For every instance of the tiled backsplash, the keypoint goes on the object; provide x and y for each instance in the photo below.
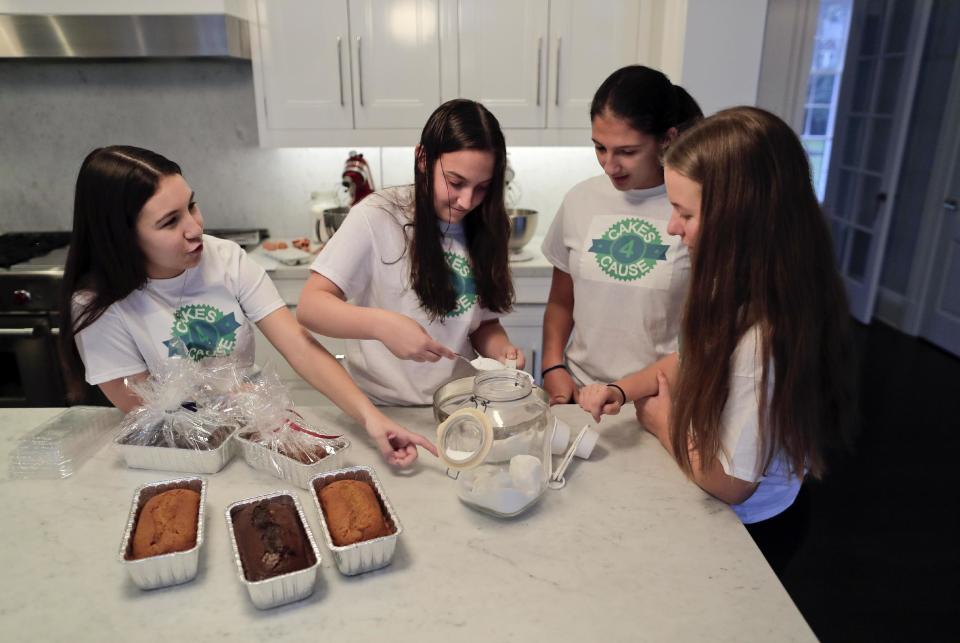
(201, 115)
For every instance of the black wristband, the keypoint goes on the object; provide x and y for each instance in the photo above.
(622, 392)
(544, 372)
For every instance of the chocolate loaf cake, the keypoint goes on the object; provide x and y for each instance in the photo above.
(271, 539)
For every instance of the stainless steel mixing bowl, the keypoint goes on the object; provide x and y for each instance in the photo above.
(523, 223)
(331, 222)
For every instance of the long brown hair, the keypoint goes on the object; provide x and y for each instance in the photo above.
(456, 125)
(763, 258)
(105, 257)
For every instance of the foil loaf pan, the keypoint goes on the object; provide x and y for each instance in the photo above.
(177, 459)
(285, 588)
(166, 569)
(276, 464)
(367, 555)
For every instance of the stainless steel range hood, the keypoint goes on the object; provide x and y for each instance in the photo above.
(124, 36)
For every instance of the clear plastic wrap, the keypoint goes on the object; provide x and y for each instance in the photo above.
(171, 431)
(280, 441)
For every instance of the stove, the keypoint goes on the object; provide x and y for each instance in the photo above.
(18, 247)
(31, 273)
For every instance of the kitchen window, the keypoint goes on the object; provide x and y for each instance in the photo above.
(823, 87)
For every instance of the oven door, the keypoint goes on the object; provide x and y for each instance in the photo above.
(30, 371)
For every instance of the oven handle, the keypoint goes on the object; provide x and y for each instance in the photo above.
(25, 332)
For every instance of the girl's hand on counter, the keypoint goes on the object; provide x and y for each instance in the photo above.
(561, 387)
(599, 399)
(407, 339)
(397, 445)
(509, 352)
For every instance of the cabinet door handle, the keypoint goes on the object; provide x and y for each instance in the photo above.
(340, 69)
(557, 97)
(950, 205)
(360, 70)
(36, 331)
(16, 332)
(539, 67)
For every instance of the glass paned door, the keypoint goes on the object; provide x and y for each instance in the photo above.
(823, 87)
(879, 79)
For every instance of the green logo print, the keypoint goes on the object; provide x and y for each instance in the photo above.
(463, 283)
(629, 249)
(203, 330)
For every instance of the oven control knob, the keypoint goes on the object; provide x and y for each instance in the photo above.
(22, 297)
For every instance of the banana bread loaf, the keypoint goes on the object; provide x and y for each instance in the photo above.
(167, 523)
(353, 512)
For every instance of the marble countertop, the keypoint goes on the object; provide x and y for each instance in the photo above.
(629, 550)
(535, 266)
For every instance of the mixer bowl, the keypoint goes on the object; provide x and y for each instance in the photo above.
(332, 220)
(523, 223)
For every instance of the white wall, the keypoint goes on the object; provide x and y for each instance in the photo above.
(723, 44)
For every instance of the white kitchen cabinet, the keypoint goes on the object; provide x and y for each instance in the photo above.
(537, 64)
(525, 327)
(588, 41)
(326, 72)
(396, 61)
(503, 58)
(305, 53)
(369, 72)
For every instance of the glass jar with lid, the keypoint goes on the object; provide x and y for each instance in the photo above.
(495, 439)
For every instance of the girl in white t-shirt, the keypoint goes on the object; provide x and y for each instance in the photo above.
(619, 280)
(142, 281)
(763, 381)
(417, 274)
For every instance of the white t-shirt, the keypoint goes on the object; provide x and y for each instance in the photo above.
(740, 454)
(205, 309)
(629, 277)
(369, 260)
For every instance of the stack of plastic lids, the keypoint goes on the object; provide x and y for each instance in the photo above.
(59, 446)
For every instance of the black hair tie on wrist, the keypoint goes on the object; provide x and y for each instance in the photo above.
(622, 392)
(544, 372)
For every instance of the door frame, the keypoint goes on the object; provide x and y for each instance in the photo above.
(923, 279)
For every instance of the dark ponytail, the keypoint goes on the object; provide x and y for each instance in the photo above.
(647, 100)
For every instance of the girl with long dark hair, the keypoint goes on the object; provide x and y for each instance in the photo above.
(142, 283)
(763, 381)
(618, 282)
(425, 267)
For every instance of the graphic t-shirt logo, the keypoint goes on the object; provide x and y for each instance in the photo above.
(203, 330)
(629, 249)
(463, 283)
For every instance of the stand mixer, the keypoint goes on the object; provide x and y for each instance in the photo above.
(523, 222)
(357, 178)
(330, 209)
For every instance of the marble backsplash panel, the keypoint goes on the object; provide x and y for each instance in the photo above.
(200, 114)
